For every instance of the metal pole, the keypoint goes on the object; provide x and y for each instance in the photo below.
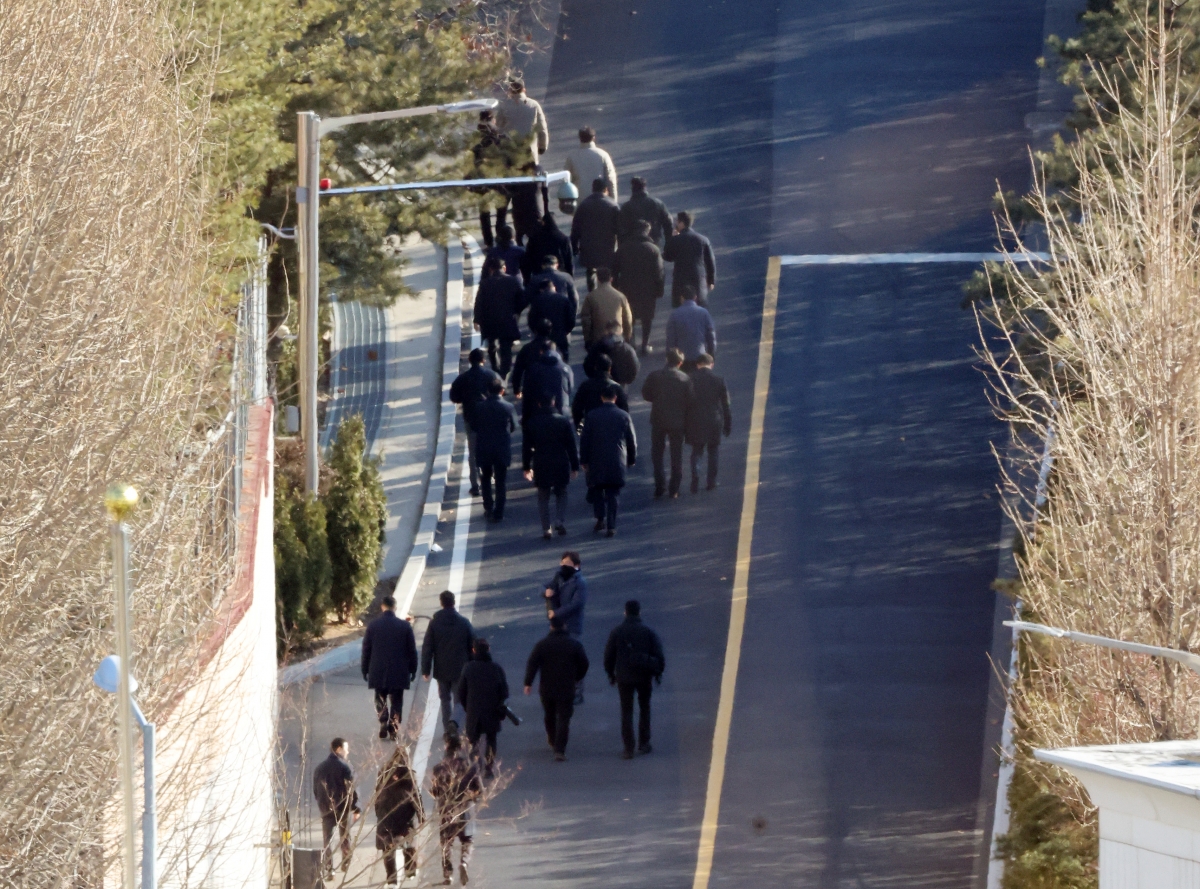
(308, 161)
(149, 812)
(120, 555)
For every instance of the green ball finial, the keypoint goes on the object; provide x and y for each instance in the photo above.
(119, 500)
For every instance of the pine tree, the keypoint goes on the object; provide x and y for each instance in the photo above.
(355, 509)
(303, 572)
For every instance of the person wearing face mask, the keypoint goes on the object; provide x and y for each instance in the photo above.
(566, 597)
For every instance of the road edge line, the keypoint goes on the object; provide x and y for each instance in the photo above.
(741, 578)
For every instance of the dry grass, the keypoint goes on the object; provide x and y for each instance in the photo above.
(108, 350)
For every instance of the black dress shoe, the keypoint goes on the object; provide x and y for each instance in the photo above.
(547, 534)
(561, 529)
(658, 492)
(474, 492)
(599, 526)
(612, 532)
(695, 486)
(383, 732)
(645, 748)
(626, 754)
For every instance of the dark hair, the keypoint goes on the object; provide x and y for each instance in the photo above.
(587, 134)
(446, 598)
(481, 646)
(599, 184)
(337, 744)
(633, 607)
(705, 360)
(388, 602)
(545, 284)
(637, 183)
(643, 226)
(548, 219)
(544, 327)
(549, 259)
(603, 362)
(492, 265)
(496, 386)
(687, 291)
(476, 357)
(557, 623)
(573, 556)
(685, 217)
(486, 115)
(604, 275)
(505, 232)
(516, 85)
(611, 392)
(674, 358)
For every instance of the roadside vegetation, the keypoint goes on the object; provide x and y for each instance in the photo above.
(1099, 351)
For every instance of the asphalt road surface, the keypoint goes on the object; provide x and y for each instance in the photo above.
(857, 731)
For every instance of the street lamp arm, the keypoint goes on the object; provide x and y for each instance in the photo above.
(547, 178)
(336, 123)
(1189, 660)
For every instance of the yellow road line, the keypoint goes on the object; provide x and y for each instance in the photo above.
(741, 577)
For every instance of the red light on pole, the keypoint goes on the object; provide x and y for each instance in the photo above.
(325, 185)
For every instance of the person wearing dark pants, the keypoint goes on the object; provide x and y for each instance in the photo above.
(398, 815)
(483, 691)
(669, 391)
(389, 665)
(469, 389)
(607, 448)
(633, 658)
(562, 663)
(494, 421)
(337, 801)
(455, 784)
(550, 459)
(445, 650)
(708, 420)
(498, 302)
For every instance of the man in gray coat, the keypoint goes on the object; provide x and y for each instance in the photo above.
(594, 231)
(524, 120)
(607, 448)
(669, 391)
(444, 651)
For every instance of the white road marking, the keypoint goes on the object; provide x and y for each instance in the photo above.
(905, 258)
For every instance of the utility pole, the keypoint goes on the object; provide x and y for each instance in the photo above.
(308, 197)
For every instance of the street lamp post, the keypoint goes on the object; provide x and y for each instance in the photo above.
(310, 128)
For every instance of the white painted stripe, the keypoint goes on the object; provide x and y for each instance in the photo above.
(905, 258)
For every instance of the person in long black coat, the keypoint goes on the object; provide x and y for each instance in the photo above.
(594, 231)
(607, 447)
(495, 421)
(528, 354)
(641, 207)
(623, 358)
(555, 307)
(633, 657)
(638, 273)
(587, 396)
(389, 665)
(694, 262)
(482, 692)
(669, 391)
(445, 650)
(498, 302)
(708, 419)
(563, 663)
(548, 383)
(399, 812)
(468, 389)
(550, 459)
(547, 240)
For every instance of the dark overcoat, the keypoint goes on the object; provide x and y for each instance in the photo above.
(608, 445)
(482, 691)
(638, 273)
(550, 449)
(594, 231)
(561, 661)
(446, 647)
(389, 653)
(710, 414)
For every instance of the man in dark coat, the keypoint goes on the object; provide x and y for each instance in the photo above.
(669, 391)
(337, 801)
(632, 658)
(493, 160)
(528, 354)
(695, 264)
(708, 420)
(642, 208)
(594, 231)
(547, 240)
(548, 382)
(495, 421)
(608, 445)
(528, 205)
(469, 389)
(389, 664)
(498, 302)
(454, 783)
(555, 307)
(445, 650)
(482, 692)
(551, 268)
(550, 459)
(563, 663)
(566, 594)
(638, 273)
(399, 812)
(623, 357)
(587, 396)
(510, 253)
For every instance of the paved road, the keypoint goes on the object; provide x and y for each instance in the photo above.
(858, 723)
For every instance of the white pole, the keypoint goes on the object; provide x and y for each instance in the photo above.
(119, 500)
(149, 811)
(308, 161)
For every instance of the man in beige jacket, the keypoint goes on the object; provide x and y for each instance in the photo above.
(603, 305)
(524, 121)
(588, 163)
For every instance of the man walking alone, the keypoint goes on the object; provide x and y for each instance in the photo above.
(562, 662)
(445, 650)
(389, 665)
(632, 658)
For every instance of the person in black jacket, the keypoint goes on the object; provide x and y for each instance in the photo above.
(632, 657)
(399, 812)
(562, 662)
(454, 783)
(550, 459)
(548, 303)
(497, 304)
(594, 231)
(445, 650)
(587, 396)
(389, 665)
(545, 241)
(337, 801)
(638, 273)
(608, 445)
(708, 420)
(529, 353)
(495, 421)
(482, 692)
(548, 382)
(468, 389)
(622, 356)
(641, 207)
(694, 262)
(669, 391)
(562, 280)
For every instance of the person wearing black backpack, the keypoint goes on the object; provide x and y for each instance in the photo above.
(632, 658)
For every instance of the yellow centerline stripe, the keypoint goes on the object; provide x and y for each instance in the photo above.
(741, 577)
